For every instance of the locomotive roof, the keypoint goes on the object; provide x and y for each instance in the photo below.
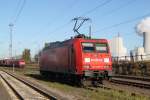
(55, 44)
(61, 43)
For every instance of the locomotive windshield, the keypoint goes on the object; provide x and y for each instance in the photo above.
(88, 47)
(101, 47)
(95, 47)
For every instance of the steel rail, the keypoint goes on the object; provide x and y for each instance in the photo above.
(133, 77)
(12, 88)
(136, 83)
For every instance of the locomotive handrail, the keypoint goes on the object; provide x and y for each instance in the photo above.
(132, 57)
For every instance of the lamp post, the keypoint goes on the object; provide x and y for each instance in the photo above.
(10, 45)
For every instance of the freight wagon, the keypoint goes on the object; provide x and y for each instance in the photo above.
(12, 62)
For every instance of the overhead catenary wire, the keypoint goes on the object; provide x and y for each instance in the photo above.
(121, 23)
(60, 27)
(90, 11)
(19, 12)
(119, 7)
(94, 9)
(16, 10)
(11, 24)
(73, 3)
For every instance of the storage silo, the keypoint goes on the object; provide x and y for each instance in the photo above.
(140, 54)
(117, 48)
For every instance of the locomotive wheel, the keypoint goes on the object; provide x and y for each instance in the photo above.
(96, 83)
(109, 78)
(44, 73)
(83, 82)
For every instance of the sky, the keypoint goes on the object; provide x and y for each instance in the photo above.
(39, 21)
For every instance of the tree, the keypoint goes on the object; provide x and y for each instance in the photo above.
(26, 55)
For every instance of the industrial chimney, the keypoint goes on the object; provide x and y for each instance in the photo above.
(146, 42)
(143, 29)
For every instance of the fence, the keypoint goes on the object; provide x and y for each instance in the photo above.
(132, 65)
(134, 58)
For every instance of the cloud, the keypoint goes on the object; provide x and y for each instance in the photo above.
(143, 26)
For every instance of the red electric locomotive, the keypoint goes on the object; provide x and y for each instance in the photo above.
(79, 59)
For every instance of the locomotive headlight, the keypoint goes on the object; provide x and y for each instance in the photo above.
(87, 60)
(106, 60)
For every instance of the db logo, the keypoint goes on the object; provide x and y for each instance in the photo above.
(95, 55)
(100, 60)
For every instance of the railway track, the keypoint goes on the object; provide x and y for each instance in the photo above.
(142, 82)
(121, 88)
(108, 86)
(23, 90)
(133, 77)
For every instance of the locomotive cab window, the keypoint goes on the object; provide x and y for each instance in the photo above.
(88, 47)
(101, 47)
